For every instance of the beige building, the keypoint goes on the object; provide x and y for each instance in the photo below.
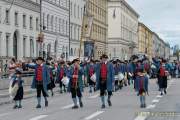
(145, 40)
(98, 9)
(122, 30)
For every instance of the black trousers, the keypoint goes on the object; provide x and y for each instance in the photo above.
(39, 89)
(103, 89)
(76, 92)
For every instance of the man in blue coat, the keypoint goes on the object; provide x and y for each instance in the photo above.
(105, 79)
(76, 83)
(40, 80)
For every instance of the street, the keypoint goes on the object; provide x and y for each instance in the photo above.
(125, 106)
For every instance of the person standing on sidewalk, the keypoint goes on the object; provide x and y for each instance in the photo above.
(20, 91)
(142, 87)
(105, 79)
(41, 80)
(76, 83)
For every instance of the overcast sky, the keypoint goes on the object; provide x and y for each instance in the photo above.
(161, 16)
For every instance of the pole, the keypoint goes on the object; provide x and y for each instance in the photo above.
(40, 51)
(84, 13)
(69, 27)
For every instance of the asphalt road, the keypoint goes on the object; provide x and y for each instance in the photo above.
(125, 106)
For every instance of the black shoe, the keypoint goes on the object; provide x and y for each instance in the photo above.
(109, 103)
(52, 94)
(161, 94)
(81, 104)
(141, 106)
(38, 106)
(75, 107)
(46, 103)
(103, 106)
(144, 106)
(20, 106)
(15, 107)
(165, 91)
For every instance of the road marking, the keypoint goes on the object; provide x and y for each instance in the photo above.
(4, 114)
(140, 118)
(94, 96)
(67, 106)
(94, 115)
(155, 101)
(150, 106)
(39, 117)
(159, 96)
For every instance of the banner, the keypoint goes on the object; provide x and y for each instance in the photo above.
(87, 26)
(88, 49)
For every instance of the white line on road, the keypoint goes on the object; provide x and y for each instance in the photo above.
(159, 96)
(94, 96)
(94, 115)
(150, 106)
(155, 101)
(140, 118)
(4, 114)
(67, 106)
(39, 117)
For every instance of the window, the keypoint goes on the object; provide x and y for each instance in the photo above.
(66, 28)
(78, 11)
(56, 25)
(7, 17)
(59, 25)
(78, 33)
(31, 22)
(37, 24)
(75, 32)
(7, 44)
(52, 23)
(71, 31)
(24, 21)
(43, 21)
(75, 10)
(71, 53)
(63, 27)
(0, 43)
(55, 47)
(48, 22)
(31, 47)
(24, 46)
(16, 18)
(0, 14)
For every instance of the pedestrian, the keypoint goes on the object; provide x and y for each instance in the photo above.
(90, 73)
(142, 87)
(162, 75)
(105, 79)
(76, 83)
(51, 85)
(40, 80)
(17, 80)
(61, 71)
(116, 76)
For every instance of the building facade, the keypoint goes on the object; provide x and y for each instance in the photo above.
(76, 18)
(98, 9)
(122, 30)
(145, 40)
(55, 27)
(19, 28)
(160, 47)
